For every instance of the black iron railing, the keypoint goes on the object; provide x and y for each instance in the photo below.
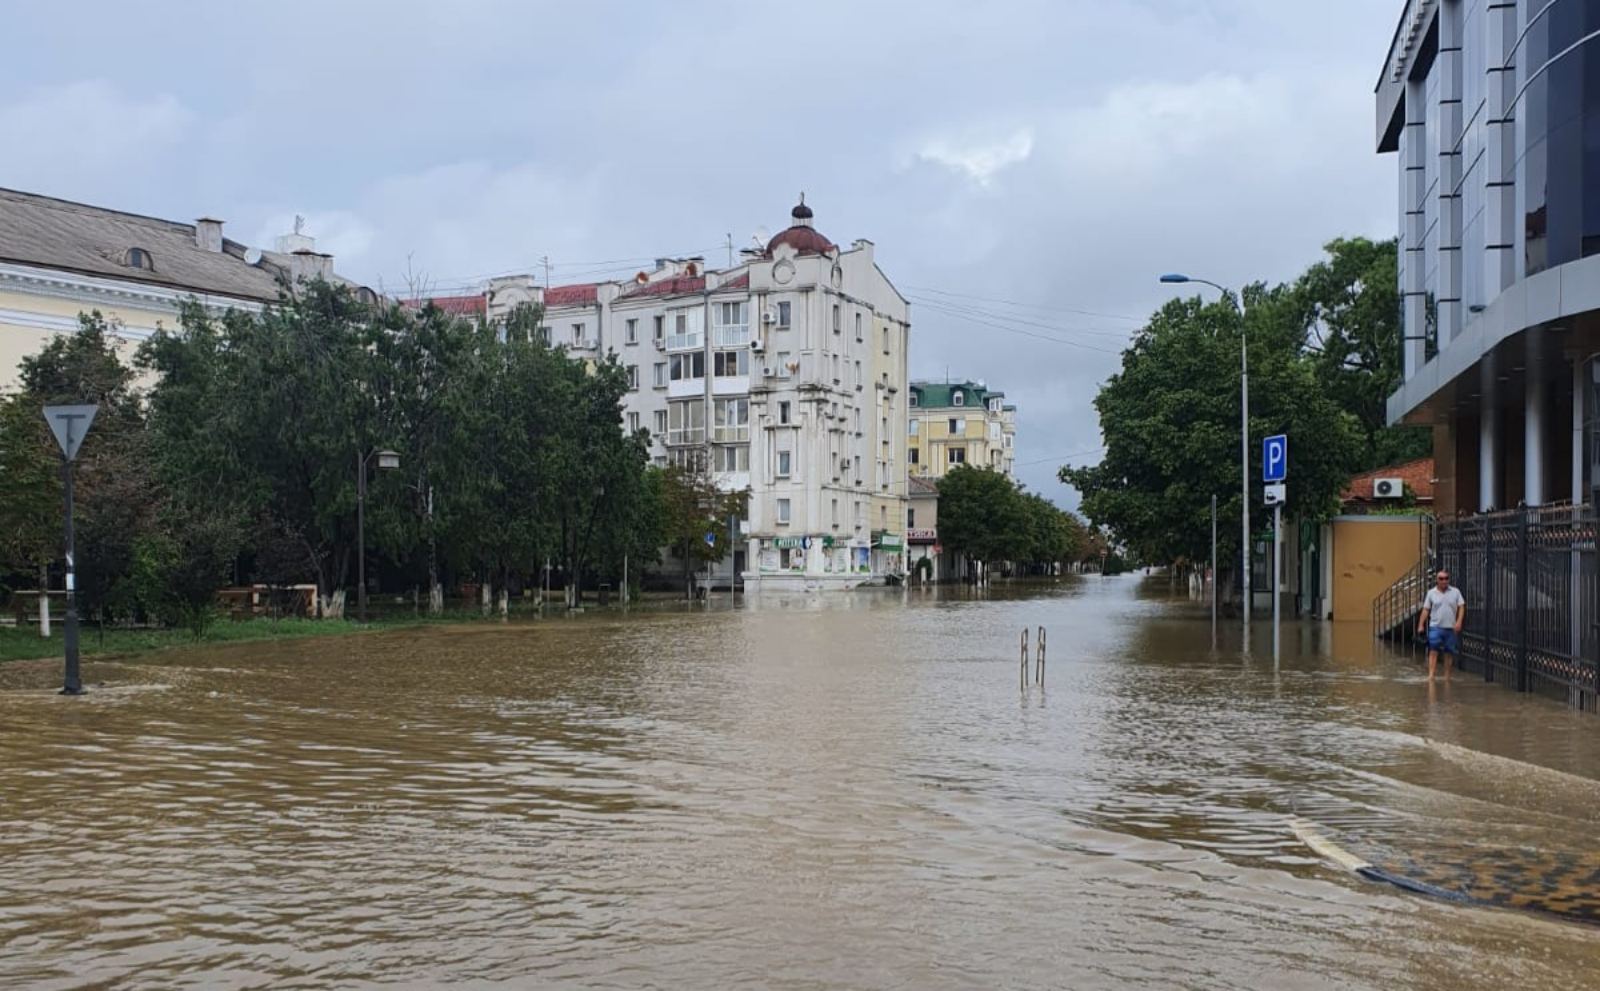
(1530, 581)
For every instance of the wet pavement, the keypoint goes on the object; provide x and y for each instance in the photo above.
(845, 792)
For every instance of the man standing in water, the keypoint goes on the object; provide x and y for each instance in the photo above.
(1443, 611)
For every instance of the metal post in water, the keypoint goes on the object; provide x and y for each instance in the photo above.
(72, 684)
(1213, 565)
(70, 425)
(1039, 667)
(1277, 554)
(1024, 657)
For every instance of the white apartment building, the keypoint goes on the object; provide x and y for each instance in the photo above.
(787, 372)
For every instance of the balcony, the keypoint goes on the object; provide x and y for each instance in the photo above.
(692, 341)
(733, 335)
(689, 435)
(730, 435)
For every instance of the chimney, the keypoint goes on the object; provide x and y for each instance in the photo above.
(308, 266)
(208, 234)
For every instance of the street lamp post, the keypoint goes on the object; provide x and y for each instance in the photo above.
(1244, 433)
(387, 461)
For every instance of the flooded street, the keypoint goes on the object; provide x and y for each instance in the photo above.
(848, 792)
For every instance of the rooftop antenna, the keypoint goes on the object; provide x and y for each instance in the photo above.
(729, 236)
(299, 223)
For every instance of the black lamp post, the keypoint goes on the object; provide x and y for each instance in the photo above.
(387, 461)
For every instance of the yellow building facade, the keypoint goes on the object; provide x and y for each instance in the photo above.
(953, 423)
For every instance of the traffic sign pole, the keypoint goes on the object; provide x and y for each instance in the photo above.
(1275, 472)
(69, 424)
(1277, 564)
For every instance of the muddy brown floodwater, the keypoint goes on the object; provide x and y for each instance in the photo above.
(848, 792)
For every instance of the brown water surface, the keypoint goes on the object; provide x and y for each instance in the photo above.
(845, 792)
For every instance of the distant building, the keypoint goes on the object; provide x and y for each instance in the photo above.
(786, 374)
(1492, 110)
(59, 259)
(960, 423)
(922, 529)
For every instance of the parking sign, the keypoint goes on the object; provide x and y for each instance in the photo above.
(1275, 458)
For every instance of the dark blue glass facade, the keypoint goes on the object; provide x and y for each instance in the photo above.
(1558, 134)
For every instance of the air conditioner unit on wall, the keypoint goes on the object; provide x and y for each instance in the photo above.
(756, 346)
(770, 316)
(1388, 488)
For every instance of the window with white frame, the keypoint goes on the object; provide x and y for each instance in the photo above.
(955, 426)
(911, 455)
(916, 428)
(960, 399)
(733, 458)
(730, 364)
(783, 511)
(577, 335)
(633, 378)
(660, 328)
(686, 422)
(858, 328)
(836, 328)
(732, 420)
(783, 411)
(785, 463)
(783, 314)
(956, 455)
(631, 331)
(661, 423)
(633, 423)
(912, 402)
(688, 366)
(833, 513)
(659, 375)
(784, 360)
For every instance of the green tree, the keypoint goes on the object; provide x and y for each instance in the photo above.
(983, 515)
(30, 491)
(691, 506)
(1352, 322)
(1170, 419)
(180, 566)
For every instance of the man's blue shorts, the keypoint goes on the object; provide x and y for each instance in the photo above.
(1443, 640)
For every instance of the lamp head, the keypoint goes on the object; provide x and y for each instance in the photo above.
(388, 460)
(1173, 277)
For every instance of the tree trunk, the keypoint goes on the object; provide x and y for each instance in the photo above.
(435, 596)
(504, 599)
(44, 601)
(333, 604)
(485, 594)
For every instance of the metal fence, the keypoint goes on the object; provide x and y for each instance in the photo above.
(1530, 581)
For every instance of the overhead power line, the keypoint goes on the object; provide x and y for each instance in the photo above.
(940, 306)
(1031, 306)
(1027, 333)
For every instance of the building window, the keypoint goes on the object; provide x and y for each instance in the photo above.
(956, 455)
(736, 458)
(783, 364)
(732, 420)
(688, 366)
(912, 456)
(916, 427)
(140, 259)
(858, 469)
(861, 381)
(836, 327)
(994, 404)
(912, 402)
(783, 413)
(728, 364)
(783, 315)
(660, 375)
(886, 340)
(661, 422)
(633, 378)
(911, 521)
(633, 423)
(686, 422)
(577, 335)
(784, 462)
(836, 368)
(833, 512)
(632, 331)
(858, 330)
(680, 323)
(960, 399)
(661, 328)
(955, 428)
(783, 512)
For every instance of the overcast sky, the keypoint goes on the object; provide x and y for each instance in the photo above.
(1055, 155)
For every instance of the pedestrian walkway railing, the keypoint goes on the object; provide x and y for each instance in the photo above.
(1530, 578)
(1395, 610)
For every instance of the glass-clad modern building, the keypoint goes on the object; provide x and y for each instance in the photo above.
(1493, 109)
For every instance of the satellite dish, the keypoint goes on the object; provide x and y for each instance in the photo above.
(761, 237)
(252, 256)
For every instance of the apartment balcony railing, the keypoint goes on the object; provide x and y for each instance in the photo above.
(686, 342)
(692, 435)
(733, 335)
(730, 435)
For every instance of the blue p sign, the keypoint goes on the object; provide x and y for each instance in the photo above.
(1275, 458)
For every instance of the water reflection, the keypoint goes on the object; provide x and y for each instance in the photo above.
(840, 792)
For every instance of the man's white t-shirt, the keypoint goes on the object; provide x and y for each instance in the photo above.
(1442, 607)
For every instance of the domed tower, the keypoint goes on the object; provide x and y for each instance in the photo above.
(801, 235)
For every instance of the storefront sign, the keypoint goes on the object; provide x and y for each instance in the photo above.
(923, 535)
(790, 542)
(888, 541)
